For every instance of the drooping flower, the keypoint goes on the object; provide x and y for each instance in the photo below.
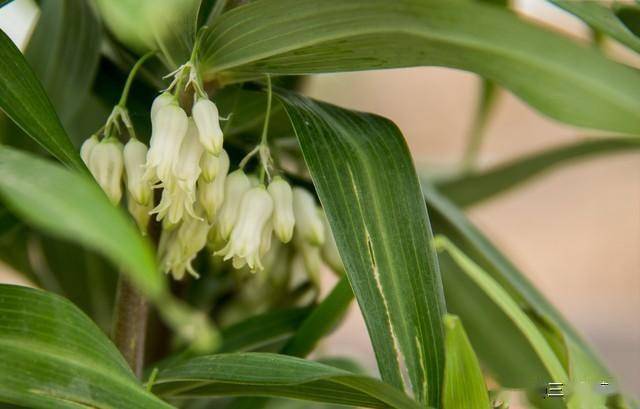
(311, 258)
(87, 147)
(211, 194)
(179, 194)
(330, 252)
(236, 184)
(283, 218)
(307, 216)
(140, 213)
(135, 157)
(244, 243)
(205, 114)
(180, 247)
(161, 100)
(169, 127)
(210, 165)
(187, 167)
(106, 166)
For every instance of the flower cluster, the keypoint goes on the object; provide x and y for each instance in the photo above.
(200, 201)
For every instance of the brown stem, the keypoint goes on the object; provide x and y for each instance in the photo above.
(130, 324)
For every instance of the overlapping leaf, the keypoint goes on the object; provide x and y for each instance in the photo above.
(52, 356)
(476, 187)
(464, 386)
(601, 17)
(262, 374)
(69, 205)
(366, 182)
(502, 349)
(24, 100)
(307, 36)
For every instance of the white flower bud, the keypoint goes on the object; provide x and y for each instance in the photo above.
(255, 211)
(87, 147)
(135, 156)
(330, 252)
(187, 167)
(169, 127)
(236, 184)
(106, 166)
(210, 164)
(160, 101)
(211, 194)
(205, 113)
(283, 218)
(307, 216)
(140, 213)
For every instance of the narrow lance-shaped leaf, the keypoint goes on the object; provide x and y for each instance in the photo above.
(64, 52)
(451, 222)
(464, 386)
(601, 17)
(52, 356)
(24, 100)
(364, 176)
(538, 65)
(69, 205)
(473, 188)
(509, 306)
(263, 374)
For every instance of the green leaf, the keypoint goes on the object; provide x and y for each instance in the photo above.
(53, 356)
(321, 321)
(509, 307)
(600, 17)
(629, 14)
(385, 243)
(464, 386)
(262, 329)
(71, 206)
(538, 65)
(24, 100)
(144, 25)
(488, 93)
(64, 51)
(476, 187)
(262, 374)
(499, 348)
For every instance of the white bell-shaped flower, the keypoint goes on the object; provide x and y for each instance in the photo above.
(175, 203)
(87, 147)
(211, 194)
(205, 113)
(161, 100)
(236, 184)
(308, 217)
(330, 252)
(311, 256)
(210, 164)
(135, 157)
(106, 166)
(140, 213)
(283, 218)
(187, 167)
(182, 246)
(244, 243)
(265, 238)
(169, 127)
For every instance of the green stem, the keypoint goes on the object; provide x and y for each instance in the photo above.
(132, 74)
(130, 324)
(484, 106)
(265, 128)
